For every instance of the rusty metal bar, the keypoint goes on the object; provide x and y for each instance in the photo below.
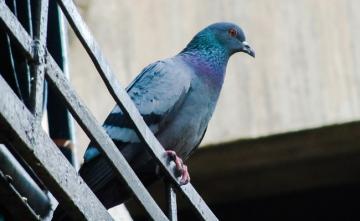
(128, 107)
(44, 157)
(171, 206)
(95, 132)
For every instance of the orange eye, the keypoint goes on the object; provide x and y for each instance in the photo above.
(232, 32)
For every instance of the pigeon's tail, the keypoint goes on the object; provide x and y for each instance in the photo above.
(99, 177)
(110, 190)
(110, 196)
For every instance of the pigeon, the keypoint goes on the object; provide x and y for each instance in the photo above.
(176, 98)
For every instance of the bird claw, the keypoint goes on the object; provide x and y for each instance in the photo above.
(185, 176)
(180, 166)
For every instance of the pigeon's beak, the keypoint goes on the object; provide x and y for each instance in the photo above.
(247, 49)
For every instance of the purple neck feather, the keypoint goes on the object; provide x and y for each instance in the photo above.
(209, 64)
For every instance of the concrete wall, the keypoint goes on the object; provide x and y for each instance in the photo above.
(306, 73)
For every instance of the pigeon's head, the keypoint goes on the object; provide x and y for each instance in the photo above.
(225, 35)
(231, 37)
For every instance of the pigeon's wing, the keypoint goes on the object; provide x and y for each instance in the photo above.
(157, 92)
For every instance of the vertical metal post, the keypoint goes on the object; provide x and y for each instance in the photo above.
(38, 67)
(61, 124)
(171, 206)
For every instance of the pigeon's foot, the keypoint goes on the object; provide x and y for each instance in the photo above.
(180, 166)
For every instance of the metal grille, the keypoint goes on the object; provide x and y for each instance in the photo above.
(23, 129)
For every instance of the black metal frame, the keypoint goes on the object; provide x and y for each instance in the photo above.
(25, 133)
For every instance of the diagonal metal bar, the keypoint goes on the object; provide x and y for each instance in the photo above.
(128, 107)
(144, 133)
(8, 19)
(21, 10)
(96, 133)
(43, 156)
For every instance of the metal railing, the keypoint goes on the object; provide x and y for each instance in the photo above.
(23, 129)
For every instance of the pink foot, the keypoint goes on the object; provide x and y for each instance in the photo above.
(180, 166)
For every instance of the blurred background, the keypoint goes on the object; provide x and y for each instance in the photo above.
(283, 142)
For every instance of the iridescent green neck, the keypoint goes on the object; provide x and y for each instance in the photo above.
(207, 56)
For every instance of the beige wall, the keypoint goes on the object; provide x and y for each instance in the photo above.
(306, 73)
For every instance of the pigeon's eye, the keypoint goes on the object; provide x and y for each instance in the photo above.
(232, 32)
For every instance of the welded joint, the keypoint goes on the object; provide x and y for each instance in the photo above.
(39, 52)
(37, 80)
